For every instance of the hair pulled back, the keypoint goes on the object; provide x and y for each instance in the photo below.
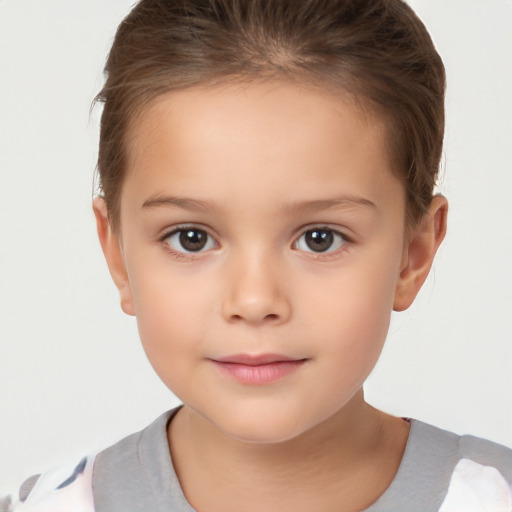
(377, 50)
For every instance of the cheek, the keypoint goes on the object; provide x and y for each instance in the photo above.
(350, 343)
(354, 313)
(171, 318)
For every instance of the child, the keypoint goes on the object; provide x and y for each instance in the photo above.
(267, 173)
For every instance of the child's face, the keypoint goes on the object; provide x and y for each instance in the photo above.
(264, 221)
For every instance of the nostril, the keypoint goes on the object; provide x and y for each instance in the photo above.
(267, 318)
(255, 307)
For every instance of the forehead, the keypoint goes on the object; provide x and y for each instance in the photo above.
(283, 99)
(294, 137)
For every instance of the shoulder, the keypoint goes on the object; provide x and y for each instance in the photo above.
(68, 487)
(112, 480)
(137, 473)
(483, 476)
(480, 471)
(487, 453)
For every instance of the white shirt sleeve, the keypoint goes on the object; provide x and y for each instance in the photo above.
(65, 489)
(477, 488)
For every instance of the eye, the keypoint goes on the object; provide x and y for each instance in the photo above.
(320, 240)
(189, 239)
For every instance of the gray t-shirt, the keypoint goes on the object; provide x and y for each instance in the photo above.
(137, 473)
(440, 472)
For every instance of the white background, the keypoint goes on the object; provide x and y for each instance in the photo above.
(73, 377)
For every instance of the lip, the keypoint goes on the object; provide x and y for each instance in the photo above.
(255, 359)
(258, 369)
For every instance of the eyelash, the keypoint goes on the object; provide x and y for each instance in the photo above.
(342, 240)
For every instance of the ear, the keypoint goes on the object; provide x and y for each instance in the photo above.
(111, 245)
(419, 252)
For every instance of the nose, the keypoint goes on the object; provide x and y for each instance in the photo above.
(255, 292)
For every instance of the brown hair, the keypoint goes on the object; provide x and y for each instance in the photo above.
(375, 49)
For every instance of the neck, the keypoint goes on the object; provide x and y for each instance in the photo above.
(355, 446)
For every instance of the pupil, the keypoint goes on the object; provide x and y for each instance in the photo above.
(193, 239)
(319, 240)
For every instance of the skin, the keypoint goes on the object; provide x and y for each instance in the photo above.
(255, 167)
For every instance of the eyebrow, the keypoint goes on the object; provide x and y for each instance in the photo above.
(299, 207)
(334, 202)
(184, 203)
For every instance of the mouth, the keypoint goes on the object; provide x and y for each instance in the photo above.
(258, 369)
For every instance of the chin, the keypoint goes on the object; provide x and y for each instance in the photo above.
(261, 428)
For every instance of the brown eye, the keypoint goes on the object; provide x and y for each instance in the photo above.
(320, 240)
(193, 239)
(190, 240)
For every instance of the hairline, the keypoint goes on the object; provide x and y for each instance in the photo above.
(369, 109)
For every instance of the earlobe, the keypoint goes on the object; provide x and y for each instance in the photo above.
(110, 244)
(420, 251)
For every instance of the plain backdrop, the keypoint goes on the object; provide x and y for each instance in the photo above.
(73, 377)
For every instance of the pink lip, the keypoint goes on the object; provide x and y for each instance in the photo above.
(257, 369)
